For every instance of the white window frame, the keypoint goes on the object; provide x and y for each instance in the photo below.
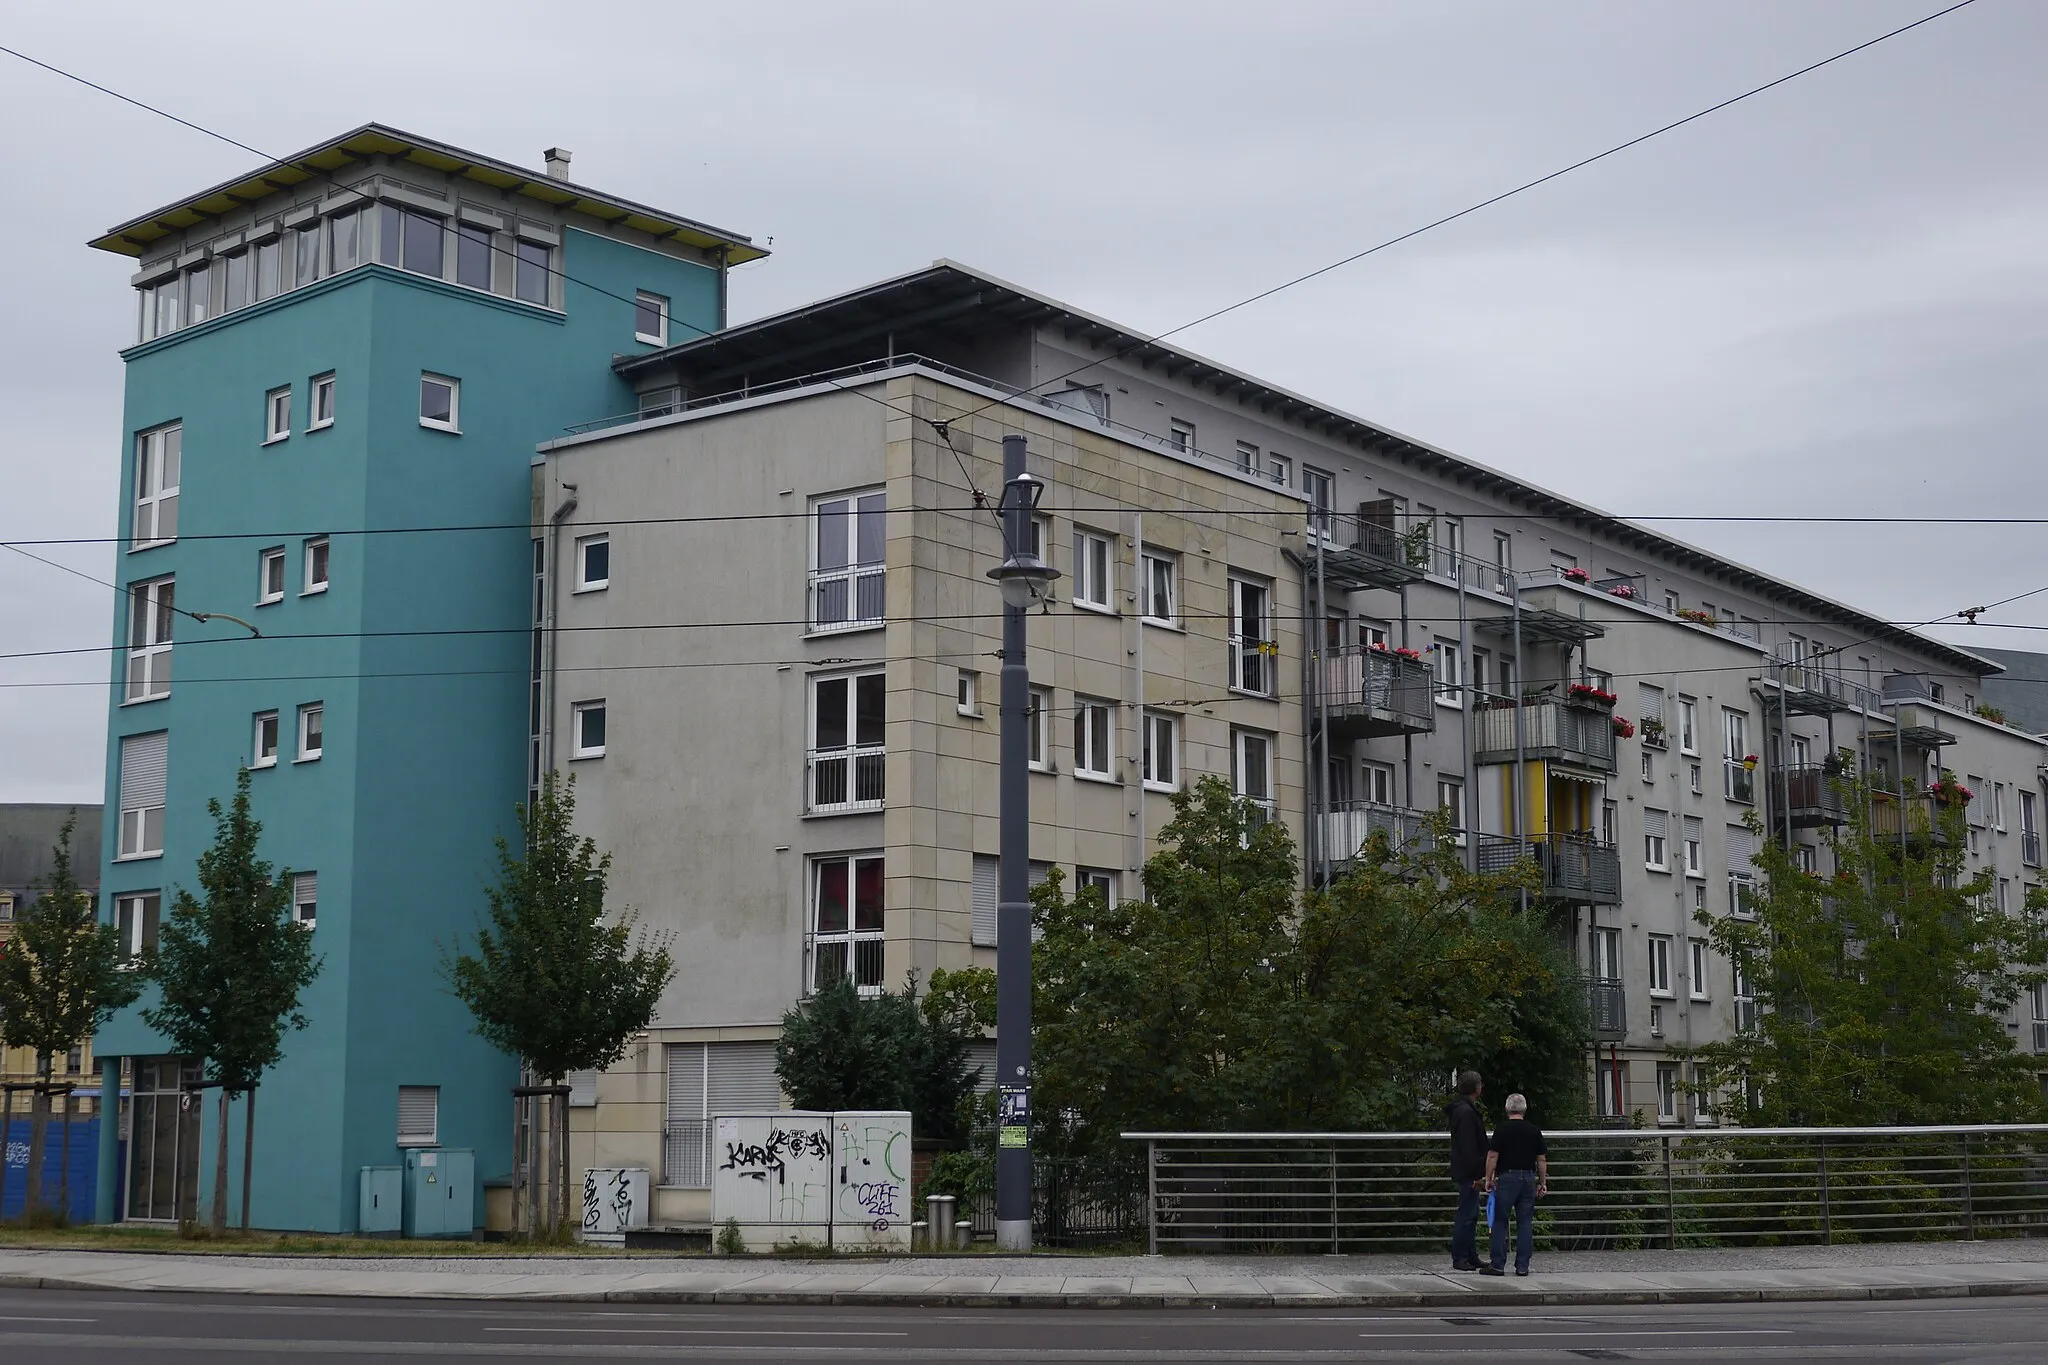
(854, 575)
(1660, 966)
(1998, 806)
(1251, 773)
(319, 556)
(1279, 470)
(1094, 571)
(1152, 566)
(312, 732)
(1696, 986)
(1741, 895)
(1450, 674)
(319, 399)
(156, 453)
(1038, 732)
(1181, 436)
(277, 415)
(642, 299)
(853, 937)
(270, 576)
(1667, 1092)
(261, 721)
(1102, 879)
(1375, 779)
(1319, 486)
(1692, 834)
(305, 897)
(1450, 796)
(584, 582)
(1256, 658)
(1095, 739)
(1743, 997)
(453, 422)
(1657, 847)
(151, 612)
(1734, 736)
(138, 917)
(845, 771)
(1161, 751)
(967, 693)
(1247, 459)
(578, 712)
(1688, 726)
(134, 839)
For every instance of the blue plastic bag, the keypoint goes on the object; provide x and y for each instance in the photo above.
(1489, 1210)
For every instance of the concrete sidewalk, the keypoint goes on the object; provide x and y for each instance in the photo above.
(1914, 1270)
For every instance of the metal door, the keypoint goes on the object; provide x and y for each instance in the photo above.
(163, 1144)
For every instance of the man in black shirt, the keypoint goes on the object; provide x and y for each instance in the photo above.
(1518, 1173)
(1468, 1169)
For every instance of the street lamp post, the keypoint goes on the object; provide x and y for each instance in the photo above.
(1024, 579)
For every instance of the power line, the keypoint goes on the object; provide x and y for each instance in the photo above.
(1492, 200)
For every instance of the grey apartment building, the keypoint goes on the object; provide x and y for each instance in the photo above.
(765, 647)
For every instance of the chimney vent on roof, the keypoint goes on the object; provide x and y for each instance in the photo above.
(558, 163)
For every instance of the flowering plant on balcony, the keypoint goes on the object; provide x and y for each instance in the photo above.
(1577, 576)
(1399, 652)
(1624, 728)
(1625, 591)
(1653, 730)
(1949, 792)
(1699, 618)
(1586, 692)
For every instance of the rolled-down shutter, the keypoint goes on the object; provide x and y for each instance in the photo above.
(683, 1136)
(1741, 851)
(986, 898)
(142, 770)
(1657, 824)
(419, 1115)
(582, 1089)
(741, 1079)
(1649, 702)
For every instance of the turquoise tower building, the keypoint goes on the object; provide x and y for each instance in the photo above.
(344, 362)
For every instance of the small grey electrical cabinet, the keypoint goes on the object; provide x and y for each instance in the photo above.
(440, 1192)
(380, 1203)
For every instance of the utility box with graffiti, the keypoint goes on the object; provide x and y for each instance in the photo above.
(840, 1180)
(614, 1203)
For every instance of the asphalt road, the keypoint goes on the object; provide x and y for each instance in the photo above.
(49, 1327)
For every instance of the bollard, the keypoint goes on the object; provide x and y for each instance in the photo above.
(939, 1217)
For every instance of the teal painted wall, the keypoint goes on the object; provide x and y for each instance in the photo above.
(418, 651)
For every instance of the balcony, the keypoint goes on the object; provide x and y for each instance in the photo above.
(1559, 731)
(1366, 551)
(1367, 693)
(1575, 867)
(1811, 796)
(1814, 687)
(1607, 1007)
(1914, 817)
(846, 598)
(841, 781)
(1350, 826)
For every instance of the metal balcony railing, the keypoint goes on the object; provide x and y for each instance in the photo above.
(849, 779)
(1610, 1188)
(1607, 1007)
(1563, 731)
(1350, 825)
(846, 599)
(1915, 815)
(1629, 587)
(1369, 692)
(1812, 796)
(1575, 867)
(1254, 665)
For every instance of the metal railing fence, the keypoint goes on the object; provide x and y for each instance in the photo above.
(1626, 1189)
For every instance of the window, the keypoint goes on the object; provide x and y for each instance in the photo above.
(1610, 821)
(1998, 806)
(1450, 674)
(305, 898)
(419, 1115)
(1738, 780)
(586, 729)
(846, 921)
(150, 612)
(1656, 835)
(312, 727)
(277, 416)
(269, 257)
(1741, 870)
(1320, 490)
(1693, 775)
(1378, 779)
(198, 294)
(136, 917)
(1667, 1092)
(1504, 553)
(1648, 765)
(1660, 964)
(306, 256)
(1688, 726)
(235, 292)
(1251, 768)
(440, 402)
(1450, 796)
(263, 746)
(2004, 901)
(142, 795)
(593, 562)
(1247, 457)
(1807, 858)
(1093, 558)
(1671, 602)
(270, 576)
(425, 245)
(1181, 435)
(1096, 879)
(967, 692)
(847, 571)
(1695, 855)
(344, 241)
(1041, 535)
(1253, 656)
(530, 272)
(1606, 948)
(1702, 1098)
(1158, 603)
(847, 760)
(473, 256)
(705, 1079)
(650, 318)
(1094, 738)
(1039, 736)
(1745, 1002)
(1611, 1081)
(1280, 470)
(157, 457)
(1699, 895)
(1161, 734)
(1696, 968)
(320, 406)
(316, 566)
(2030, 830)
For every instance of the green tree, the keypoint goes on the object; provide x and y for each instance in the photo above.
(230, 967)
(896, 1050)
(551, 978)
(60, 978)
(1881, 990)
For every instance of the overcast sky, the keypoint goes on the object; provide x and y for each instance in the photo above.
(1827, 300)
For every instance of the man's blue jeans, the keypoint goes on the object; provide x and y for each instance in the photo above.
(1514, 1190)
(1465, 1231)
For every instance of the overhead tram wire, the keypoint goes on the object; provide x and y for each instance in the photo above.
(1489, 202)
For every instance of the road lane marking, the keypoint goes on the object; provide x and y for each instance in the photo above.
(14, 1319)
(1592, 1331)
(698, 1331)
